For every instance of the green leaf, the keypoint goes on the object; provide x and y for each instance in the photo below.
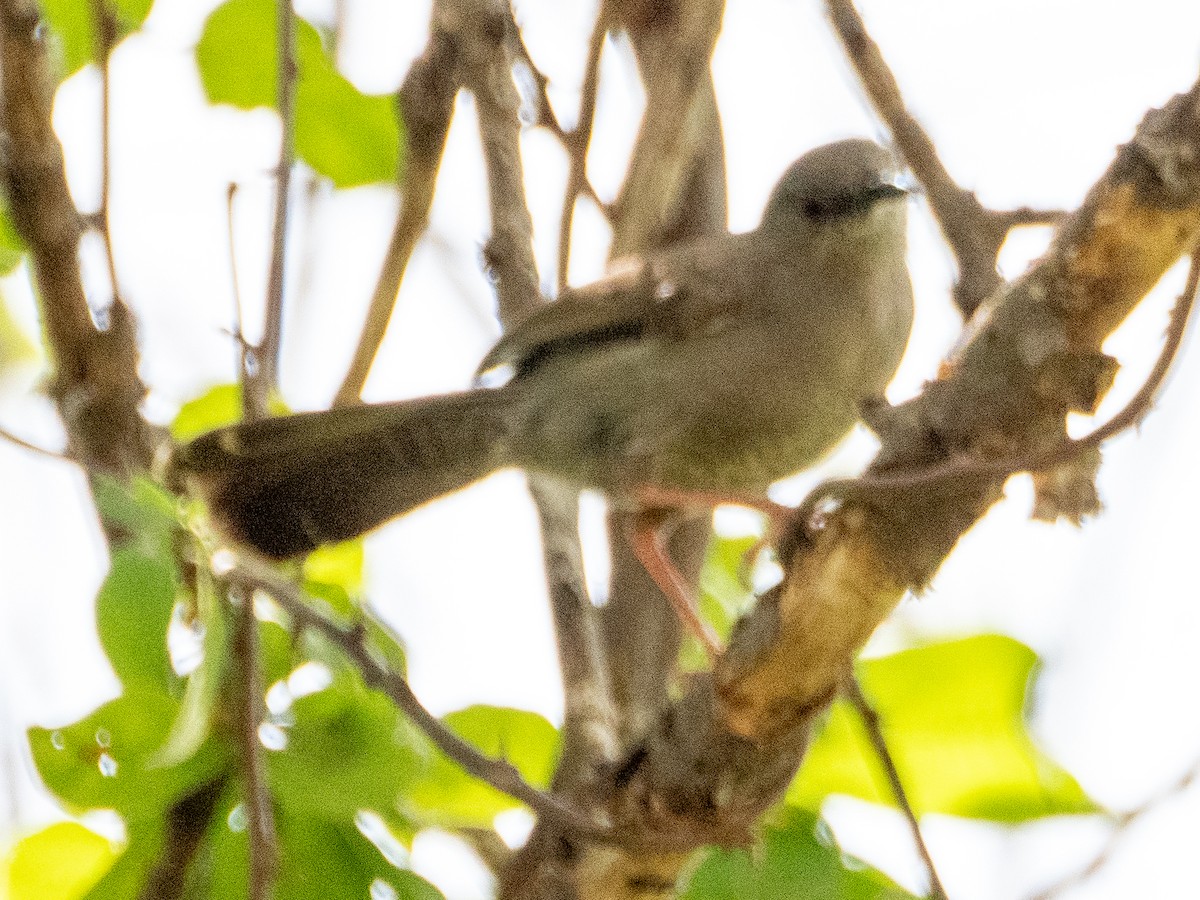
(12, 248)
(447, 795)
(789, 862)
(142, 511)
(73, 25)
(340, 564)
(215, 408)
(17, 350)
(349, 137)
(324, 861)
(953, 715)
(193, 722)
(133, 612)
(343, 134)
(335, 574)
(346, 751)
(104, 760)
(58, 863)
(127, 877)
(275, 651)
(318, 859)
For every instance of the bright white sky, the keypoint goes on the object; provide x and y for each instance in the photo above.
(1026, 100)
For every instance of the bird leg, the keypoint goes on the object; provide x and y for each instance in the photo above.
(646, 538)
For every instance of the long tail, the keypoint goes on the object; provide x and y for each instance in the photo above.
(287, 485)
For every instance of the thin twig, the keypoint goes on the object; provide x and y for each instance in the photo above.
(577, 142)
(258, 383)
(590, 736)
(1129, 416)
(426, 103)
(6, 435)
(1121, 823)
(260, 819)
(266, 375)
(974, 233)
(545, 111)
(105, 25)
(499, 773)
(870, 720)
(245, 353)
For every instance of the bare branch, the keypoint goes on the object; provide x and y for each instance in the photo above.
(577, 141)
(104, 23)
(590, 733)
(590, 721)
(352, 642)
(673, 46)
(248, 690)
(95, 381)
(545, 112)
(6, 435)
(870, 720)
(266, 375)
(975, 234)
(426, 103)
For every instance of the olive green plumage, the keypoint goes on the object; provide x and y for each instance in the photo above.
(720, 365)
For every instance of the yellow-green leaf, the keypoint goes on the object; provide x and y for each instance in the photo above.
(953, 715)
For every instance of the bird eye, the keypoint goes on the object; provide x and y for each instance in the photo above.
(814, 209)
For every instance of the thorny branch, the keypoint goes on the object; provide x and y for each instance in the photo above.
(870, 719)
(975, 234)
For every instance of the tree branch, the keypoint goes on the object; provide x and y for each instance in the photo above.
(266, 372)
(6, 435)
(726, 750)
(1121, 824)
(95, 382)
(105, 25)
(500, 774)
(1065, 451)
(426, 104)
(975, 234)
(577, 142)
(589, 729)
(870, 720)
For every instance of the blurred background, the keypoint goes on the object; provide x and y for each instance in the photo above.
(1026, 101)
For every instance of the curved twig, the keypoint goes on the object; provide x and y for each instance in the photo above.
(1129, 416)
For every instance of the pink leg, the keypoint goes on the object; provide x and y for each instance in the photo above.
(646, 540)
(653, 497)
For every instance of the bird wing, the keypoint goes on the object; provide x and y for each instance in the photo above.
(667, 297)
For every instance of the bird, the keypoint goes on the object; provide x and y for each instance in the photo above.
(701, 373)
